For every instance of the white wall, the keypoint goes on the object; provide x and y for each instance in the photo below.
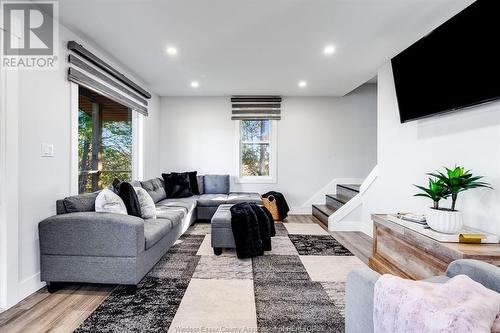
(44, 117)
(319, 139)
(470, 138)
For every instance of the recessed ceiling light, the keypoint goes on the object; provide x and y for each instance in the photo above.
(329, 49)
(302, 84)
(171, 51)
(195, 84)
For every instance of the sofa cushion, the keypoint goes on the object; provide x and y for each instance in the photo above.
(80, 203)
(173, 214)
(216, 184)
(186, 203)
(155, 230)
(155, 189)
(212, 200)
(237, 197)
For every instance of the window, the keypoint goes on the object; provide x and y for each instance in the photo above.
(104, 141)
(256, 151)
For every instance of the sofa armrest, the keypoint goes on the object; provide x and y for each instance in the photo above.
(486, 274)
(92, 234)
(359, 300)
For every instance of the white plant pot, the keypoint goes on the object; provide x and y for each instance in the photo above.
(445, 221)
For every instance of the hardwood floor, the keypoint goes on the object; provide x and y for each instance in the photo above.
(62, 311)
(358, 243)
(66, 309)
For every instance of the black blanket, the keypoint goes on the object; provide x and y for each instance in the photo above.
(253, 227)
(283, 208)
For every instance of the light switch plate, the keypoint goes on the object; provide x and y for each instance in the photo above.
(47, 150)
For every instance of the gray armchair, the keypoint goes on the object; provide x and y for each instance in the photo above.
(361, 282)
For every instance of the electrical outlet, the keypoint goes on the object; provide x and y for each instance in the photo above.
(47, 150)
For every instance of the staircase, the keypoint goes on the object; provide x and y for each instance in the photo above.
(345, 192)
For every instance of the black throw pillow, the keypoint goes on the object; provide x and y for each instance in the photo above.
(177, 185)
(168, 180)
(193, 182)
(127, 193)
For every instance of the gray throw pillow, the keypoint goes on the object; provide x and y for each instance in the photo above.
(216, 184)
(80, 203)
(148, 209)
(155, 189)
(201, 188)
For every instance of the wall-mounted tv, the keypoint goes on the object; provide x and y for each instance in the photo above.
(455, 66)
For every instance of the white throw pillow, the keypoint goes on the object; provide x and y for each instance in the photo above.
(108, 201)
(148, 208)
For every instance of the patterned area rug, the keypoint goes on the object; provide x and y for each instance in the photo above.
(312, 245)
(153, 305)
(281, 291)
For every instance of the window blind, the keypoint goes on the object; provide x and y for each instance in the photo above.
(87, 70)
(256, 107)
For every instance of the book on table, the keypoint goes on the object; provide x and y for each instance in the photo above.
(466, 235)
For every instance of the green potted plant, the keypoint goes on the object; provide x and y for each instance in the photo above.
(436, 191)
(444, 185)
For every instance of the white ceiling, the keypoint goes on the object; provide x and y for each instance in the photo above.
(255, 46)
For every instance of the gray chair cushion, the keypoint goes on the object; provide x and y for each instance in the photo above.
(237, 197)
(80, 203)
(212, 200)
(173, 214)
(486, 274)
(359, 300)
(155, 230)
(216, 184)
(155, 189)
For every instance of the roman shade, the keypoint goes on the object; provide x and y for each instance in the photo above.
(89, 71)
(256, 107)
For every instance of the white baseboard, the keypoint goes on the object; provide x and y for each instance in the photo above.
(367, 230)
(330, 188)
(300, 210)
(350, 226)
(29, 285)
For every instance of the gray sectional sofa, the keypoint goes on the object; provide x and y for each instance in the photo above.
(80, 245)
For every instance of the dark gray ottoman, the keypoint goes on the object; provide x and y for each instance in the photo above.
(222, 234)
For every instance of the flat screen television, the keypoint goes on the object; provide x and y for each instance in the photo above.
(455, 66)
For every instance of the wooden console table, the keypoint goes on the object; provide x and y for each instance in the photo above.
(403, 252)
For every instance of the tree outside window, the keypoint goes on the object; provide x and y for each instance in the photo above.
(104, 141)
(255, 148)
